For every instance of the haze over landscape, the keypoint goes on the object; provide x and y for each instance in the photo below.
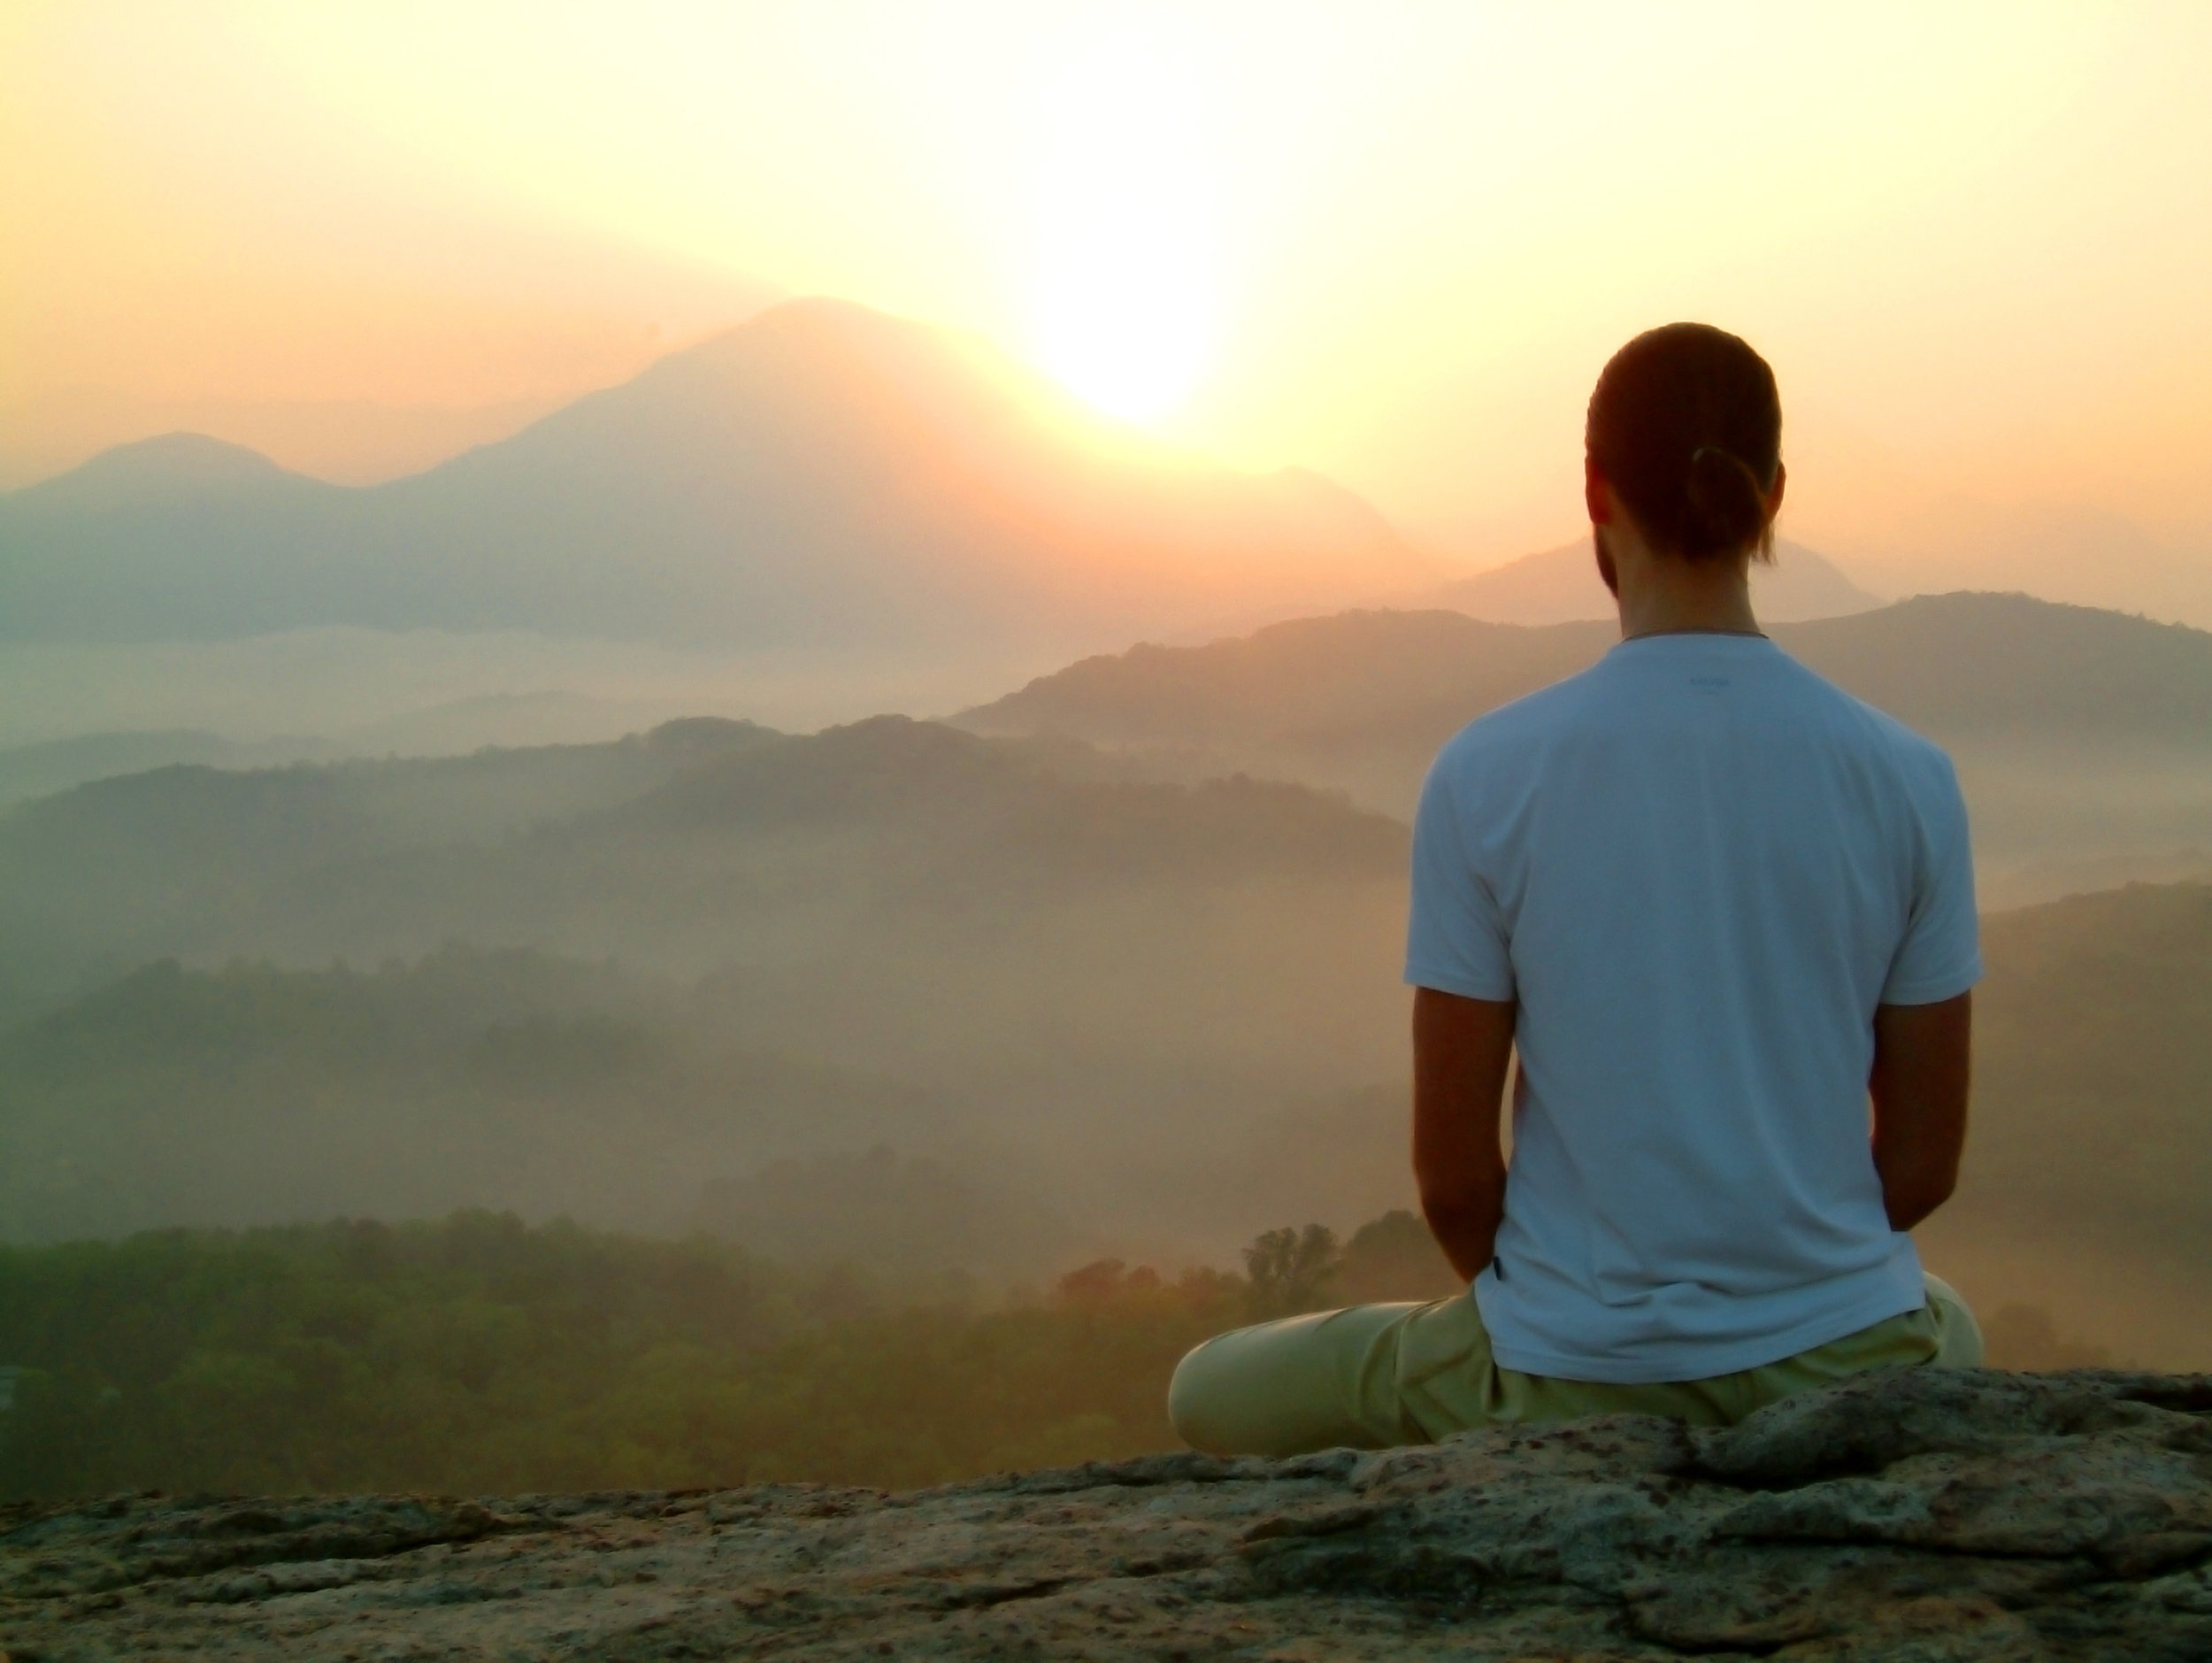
(805, 639)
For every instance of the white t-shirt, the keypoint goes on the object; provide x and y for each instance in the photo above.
(1698, 867)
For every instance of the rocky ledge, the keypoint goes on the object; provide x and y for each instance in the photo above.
(1912, 1515)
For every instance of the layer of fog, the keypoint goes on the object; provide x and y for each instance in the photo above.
(329, 693)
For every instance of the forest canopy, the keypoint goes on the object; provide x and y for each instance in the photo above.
(481, 1355)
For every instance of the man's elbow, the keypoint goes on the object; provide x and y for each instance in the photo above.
(1454, 1198)
(1445, 1213)
(1910, 1197)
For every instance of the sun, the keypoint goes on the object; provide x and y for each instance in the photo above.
(1125, 285)
(1126, 329)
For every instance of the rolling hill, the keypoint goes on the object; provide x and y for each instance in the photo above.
(1083, 971)
(2082, 736)
(822, 478)
(702, 843)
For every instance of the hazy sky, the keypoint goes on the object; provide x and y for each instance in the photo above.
(1393, 242)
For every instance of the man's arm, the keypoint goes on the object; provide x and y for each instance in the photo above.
(1460, 1049)
(1919, 1087)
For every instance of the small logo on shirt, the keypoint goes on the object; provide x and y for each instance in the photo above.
(1710, 683)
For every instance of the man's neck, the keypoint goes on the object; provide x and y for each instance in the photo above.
(1661, 595)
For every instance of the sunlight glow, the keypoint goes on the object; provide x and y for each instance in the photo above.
(1388, 242)
(1124, 295)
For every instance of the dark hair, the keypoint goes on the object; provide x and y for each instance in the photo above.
(1686, 425)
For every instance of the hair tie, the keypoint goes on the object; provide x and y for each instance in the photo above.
(1733, 460)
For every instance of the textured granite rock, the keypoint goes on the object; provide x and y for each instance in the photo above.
(1914, 1515)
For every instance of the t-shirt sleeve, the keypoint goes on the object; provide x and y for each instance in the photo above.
(1940, 955)
(1456, 940)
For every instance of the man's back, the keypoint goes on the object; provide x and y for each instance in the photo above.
(1725, 914)
(1696, 868)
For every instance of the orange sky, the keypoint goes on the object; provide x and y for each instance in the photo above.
(1392, 242)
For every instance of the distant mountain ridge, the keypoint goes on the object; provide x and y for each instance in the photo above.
(823, 477)
(452, 728)
(1949, 665)
(181, 462)
(2082, 735)
(1560, 586)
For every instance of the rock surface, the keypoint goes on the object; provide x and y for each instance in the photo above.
(1919, 1515)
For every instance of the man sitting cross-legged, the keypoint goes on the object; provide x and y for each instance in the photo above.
(1717, 905)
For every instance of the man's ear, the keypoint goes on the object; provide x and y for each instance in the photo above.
(1597, 495)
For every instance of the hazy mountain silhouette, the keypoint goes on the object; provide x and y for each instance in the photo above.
(687, 846)
(453, 728)
(823, 477)
(121, 870)
(172, 468)
(704, 844)
(41, 770)
(1559, 586)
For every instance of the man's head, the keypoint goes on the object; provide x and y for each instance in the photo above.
(1685, 429)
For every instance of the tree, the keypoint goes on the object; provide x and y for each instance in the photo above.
(1290, 1270)
(1395, 1256)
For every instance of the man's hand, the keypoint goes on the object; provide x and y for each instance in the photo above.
(1460, 1049)
(1919, 1087)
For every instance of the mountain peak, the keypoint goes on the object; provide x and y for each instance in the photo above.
(161, 473)
(178, 458)
(814, 324)
(826, 477)
(829, 312)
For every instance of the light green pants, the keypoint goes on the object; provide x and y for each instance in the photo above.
(1375, 1376)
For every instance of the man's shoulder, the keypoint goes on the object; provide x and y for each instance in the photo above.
(1530, 719)
(1874, 729)
(1611, 702)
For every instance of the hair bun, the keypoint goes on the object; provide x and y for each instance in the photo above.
(1725, 505)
